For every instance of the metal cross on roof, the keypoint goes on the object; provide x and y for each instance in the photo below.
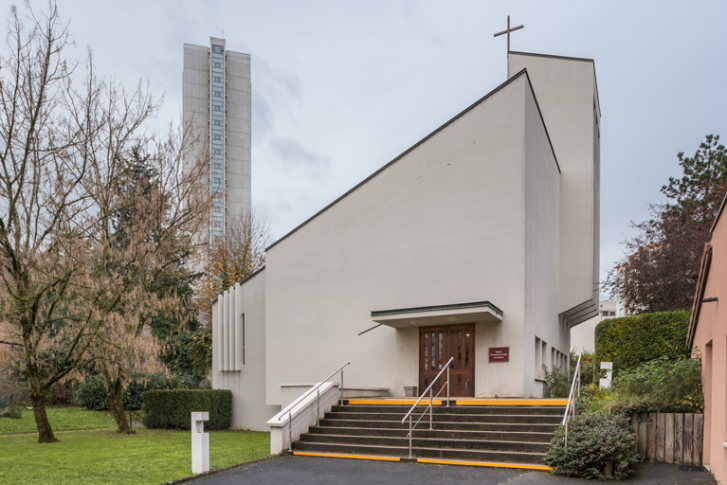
(507, 31)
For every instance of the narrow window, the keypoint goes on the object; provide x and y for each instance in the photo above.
(217, 65)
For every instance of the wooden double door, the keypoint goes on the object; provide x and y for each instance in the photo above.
(436, 346)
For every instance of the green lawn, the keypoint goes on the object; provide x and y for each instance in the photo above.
(104, 457)
(60, 419)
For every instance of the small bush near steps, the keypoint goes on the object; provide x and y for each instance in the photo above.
(595, 441)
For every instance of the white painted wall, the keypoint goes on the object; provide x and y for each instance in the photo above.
(566, 93)
(542, 220)
(444, 224)
(249, 410)
(583, 336)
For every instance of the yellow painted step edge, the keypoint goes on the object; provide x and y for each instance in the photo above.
(427, 461)
(488, 464)
(506, 402)
(354, 457)
(393, 402)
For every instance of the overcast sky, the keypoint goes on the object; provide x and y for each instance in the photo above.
(339, 88)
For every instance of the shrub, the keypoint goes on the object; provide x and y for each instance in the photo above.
(630, 341)
(64, 393)
(170, 409)
(660, 386)
(588, 373)
(557, 382)
(92, 393)
(593, 399)
(8, 408)
(593, 441)
(189, 352)
(133, 397)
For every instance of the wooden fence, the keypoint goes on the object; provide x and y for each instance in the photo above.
(670, 437)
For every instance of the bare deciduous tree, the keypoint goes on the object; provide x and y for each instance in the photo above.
(75, 290)
(236, 257)
(148, 212)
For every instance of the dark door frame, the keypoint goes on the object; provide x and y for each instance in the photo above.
(436, 346)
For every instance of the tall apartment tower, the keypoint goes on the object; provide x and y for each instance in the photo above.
(216, 104)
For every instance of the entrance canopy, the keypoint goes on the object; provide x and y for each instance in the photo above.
(457, 313)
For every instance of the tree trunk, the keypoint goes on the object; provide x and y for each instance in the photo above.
(45, 432)
(116, 405)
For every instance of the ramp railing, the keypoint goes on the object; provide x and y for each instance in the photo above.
(575, 392)
(430, 408)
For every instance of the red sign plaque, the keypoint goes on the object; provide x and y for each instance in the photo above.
(499, 354)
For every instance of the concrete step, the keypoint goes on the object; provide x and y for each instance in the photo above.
(450, 417)
(419, 442)
(516, 410)
(540, 437)
(506, 456)
(439, 425)
(507, 433)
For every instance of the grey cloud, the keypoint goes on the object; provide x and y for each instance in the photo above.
(293, 155)
(262, 116)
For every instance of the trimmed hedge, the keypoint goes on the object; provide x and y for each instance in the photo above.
(630, 341)
(171, 408)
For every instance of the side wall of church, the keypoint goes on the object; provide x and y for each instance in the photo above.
(444, 224)
(246, 379)
(542, 222)
(565, 89)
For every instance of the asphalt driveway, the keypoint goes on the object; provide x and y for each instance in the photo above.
(302, 470)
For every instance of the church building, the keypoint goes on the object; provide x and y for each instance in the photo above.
(478, 243)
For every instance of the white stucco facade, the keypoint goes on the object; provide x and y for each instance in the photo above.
(466, 227)
(583, 336)
(568, 96)
(246, 377)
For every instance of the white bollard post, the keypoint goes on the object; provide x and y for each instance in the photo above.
(606, 382)
(200, 443)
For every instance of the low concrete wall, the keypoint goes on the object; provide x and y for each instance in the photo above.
(364, 392)
(291, 392)
(670, 437)
(296, 418)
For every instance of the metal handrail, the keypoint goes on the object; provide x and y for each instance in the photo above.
(431, 403)
(573, 389)
(316, 388)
